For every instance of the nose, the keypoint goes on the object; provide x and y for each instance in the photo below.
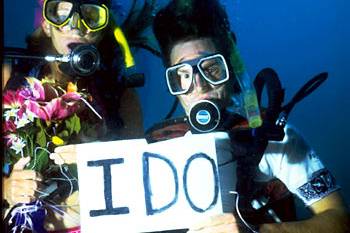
(75, 22)
(200, 84)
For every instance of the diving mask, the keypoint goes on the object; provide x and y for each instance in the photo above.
(93, 15)
(212, 68)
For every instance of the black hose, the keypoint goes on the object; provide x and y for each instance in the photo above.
(305, 90)
(275, 92)
(172, 110)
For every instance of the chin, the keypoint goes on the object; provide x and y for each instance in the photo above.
(63, 50)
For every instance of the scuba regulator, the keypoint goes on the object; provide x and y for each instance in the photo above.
(84, 60)
(205, 116)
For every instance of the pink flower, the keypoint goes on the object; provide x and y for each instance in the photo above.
(25, 93)
(15, 99)
(10, 138)
(57, 108)
(8, 126)
(36, 88)
(11, 99)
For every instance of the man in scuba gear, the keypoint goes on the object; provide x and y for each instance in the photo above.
(203, 66)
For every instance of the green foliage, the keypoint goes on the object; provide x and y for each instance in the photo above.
(73, 124)
(40, 138)
(40, 162)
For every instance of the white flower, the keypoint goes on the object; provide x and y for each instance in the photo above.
(18, 145)
(22, 121)
(31, 116)
(10, 138)
(11, 113)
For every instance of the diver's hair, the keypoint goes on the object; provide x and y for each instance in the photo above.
(184, 20)
(106, 2)
(39, 43)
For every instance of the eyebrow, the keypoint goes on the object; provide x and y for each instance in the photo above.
(201, 53)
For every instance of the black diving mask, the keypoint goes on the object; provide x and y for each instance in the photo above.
(92, 14)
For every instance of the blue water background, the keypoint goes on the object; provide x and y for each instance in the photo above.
(298, 38)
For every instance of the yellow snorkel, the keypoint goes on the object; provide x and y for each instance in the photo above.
(131, 78)
(120, 38)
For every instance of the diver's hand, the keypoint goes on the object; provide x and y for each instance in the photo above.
(21, 185)
(223, 223)
(64, 154)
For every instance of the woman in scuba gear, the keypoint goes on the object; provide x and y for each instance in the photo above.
(184, 37)
(91, 26)
(68, 23)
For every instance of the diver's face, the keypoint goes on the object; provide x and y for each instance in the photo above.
(200, 89)
(72, 32)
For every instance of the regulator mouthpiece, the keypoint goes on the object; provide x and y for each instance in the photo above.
(204, 116)
(83, 60)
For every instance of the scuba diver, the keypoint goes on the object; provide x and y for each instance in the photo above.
(79, 46)
(271, 158)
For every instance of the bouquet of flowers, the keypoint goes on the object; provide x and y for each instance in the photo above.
(37, 118)
(34, 124)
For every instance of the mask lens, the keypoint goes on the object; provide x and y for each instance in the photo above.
(214, 69)
(57, 12)
(179, 78)
(95, 16)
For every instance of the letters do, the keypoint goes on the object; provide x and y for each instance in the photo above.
(150, 210)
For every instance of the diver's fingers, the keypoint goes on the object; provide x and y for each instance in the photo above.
(224, 228)
(67, 153)
(56, 158)
(24, 199)
(19, 190)
(21, 163)
(66, 149)
(214, 221)
(24, 186)
(26, 175)
(62, 158)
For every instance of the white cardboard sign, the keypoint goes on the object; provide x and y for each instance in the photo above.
(132, 186)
